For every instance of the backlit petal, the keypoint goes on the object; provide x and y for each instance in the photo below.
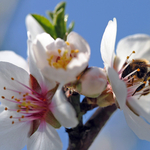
(140, 43)
(137, 124)
(63, 110)
(11, 57)
(12, 136)
(33, 27)
(46, 137)
(141, 106)
(8, 71)
(118, 87)
(108, 43)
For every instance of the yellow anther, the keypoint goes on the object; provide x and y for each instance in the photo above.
(24, 99)
(2, 97)
(72, 51)
(138, 69)
(59, 51)
(67, 43)
(4, 88)
(19, 119)
(6, 108)
(18, 100)
(127, 57)
(12, 97)
(13, 122)
(10, 117)
(61, 61)
(18, 110)
(50, 60)
(134, 76)
(19, 106)
(132, 60)
(12, 78)
(76, 51)
(22, 116)
(133, 51)
(29, 102)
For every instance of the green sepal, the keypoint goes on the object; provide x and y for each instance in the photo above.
(52, 120)
(45, 24)
(71, 27)
(61, 5)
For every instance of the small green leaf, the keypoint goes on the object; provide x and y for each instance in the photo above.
(46, 24)
(59, 24)
(50, 14)
(59, 6)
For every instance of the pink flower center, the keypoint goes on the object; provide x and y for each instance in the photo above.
(30, 105)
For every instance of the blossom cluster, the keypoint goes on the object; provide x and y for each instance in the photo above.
(34, 102)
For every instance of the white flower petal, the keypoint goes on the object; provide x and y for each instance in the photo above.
(33, 27)
(63, 110)
(39, 49)
(45, 138)
(140, 43)
(11, 57)
(12, 136)
(79, 43)
(118, 87)
(141, 106)
(34, 70)
(108, 43)
(137, 124)
(74, 68)
(8, 71)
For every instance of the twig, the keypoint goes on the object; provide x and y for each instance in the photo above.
(81, 137)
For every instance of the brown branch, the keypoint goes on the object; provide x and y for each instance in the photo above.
(81, 137)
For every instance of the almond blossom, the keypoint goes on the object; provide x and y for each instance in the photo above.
(33, 109)
(132, 93)
(60, 60)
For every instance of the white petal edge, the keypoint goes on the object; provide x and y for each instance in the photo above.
(108, 43)
(39, 49)
(79, 43)
(74, 68)
(12, 57)
(12, 136)
(141, 106)
(33, 27)
(34, 70)
(137, 124)
(140, 43)
(8, 71)
(118, 87)
(63, 110)
(46, 137)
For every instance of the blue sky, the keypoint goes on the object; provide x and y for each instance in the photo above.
(91, 18)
